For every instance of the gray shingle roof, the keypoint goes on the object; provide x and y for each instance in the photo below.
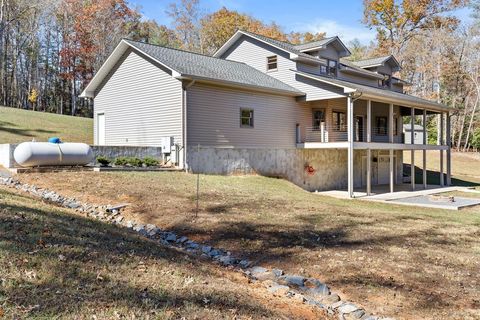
(371, 61)
(382, 93)
(313, 44)
(209, 68)
(283, 45)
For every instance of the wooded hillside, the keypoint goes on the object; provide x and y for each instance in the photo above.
(50, 49)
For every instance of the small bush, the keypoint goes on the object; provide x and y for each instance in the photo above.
(150, 162)
(104, 161)
(134, 161)
(128, 161)
(121, 161)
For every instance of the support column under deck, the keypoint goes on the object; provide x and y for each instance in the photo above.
(390, 135)
(440, 142)
(369, 151)
(449, 151)
(350, 145)
(424, 123)
(412, 154)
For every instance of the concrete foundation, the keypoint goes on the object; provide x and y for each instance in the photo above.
(311, 169)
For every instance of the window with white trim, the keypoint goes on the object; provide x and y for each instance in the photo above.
(246, 118)
(272, 63)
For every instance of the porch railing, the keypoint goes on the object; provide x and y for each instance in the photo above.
(324, 133)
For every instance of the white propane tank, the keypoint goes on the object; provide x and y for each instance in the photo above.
(33, 154)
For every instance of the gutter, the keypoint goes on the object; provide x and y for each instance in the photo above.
(184, 122)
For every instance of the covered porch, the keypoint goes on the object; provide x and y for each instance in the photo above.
(374, 126)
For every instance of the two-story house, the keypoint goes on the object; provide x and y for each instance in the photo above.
(302, 112)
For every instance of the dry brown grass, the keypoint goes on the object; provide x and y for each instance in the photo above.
(406, 262)
(56, 264)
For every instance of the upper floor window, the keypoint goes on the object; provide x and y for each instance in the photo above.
(386, 82)
(382, 126)
(246, 118)
(330, 69)
(318, 118)
(339, 121)
(272, 63)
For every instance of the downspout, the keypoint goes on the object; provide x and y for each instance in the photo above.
(184, 122)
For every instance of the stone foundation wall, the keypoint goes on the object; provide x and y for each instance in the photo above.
(329, 165)
(113, 152)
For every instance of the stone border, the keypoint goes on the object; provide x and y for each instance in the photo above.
(304, 290)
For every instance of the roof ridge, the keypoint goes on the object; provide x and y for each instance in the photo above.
(181, 50)
(310, 42)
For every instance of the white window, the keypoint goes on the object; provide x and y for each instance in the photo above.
(272, 63)
(246, 118)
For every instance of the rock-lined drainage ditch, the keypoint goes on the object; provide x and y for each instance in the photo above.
(304, 290)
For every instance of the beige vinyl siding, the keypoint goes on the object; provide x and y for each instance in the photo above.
(213, 118)
(141, 103)
(255, 53)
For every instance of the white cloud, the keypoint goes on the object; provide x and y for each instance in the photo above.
(345, 32)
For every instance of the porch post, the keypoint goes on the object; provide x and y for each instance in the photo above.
(369, 151)
(390, 135)
(350, 145)
(412, 137)
(424, 123)
(449, 151)
(440, 143)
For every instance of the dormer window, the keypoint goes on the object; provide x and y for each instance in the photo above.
(330, 69)
(386, 82)
(272, 63)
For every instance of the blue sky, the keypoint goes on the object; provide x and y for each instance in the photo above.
(340, 17)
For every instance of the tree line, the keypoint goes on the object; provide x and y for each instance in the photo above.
(50, 49)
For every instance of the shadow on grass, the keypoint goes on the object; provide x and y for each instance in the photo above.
(433, 177)
(12, 128)
(82, 263)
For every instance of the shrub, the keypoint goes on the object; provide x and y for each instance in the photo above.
(128, 161)
(104, 161)
(121, 161)
(134, 161)
(150, 162)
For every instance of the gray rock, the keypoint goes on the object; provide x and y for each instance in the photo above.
(277, 272)
(129, 224)
(226, 260)
(182, 239)
(337, 304)
(358, 314)
(138, 227)
(347, 308)
(244, 263)
(315, 287)
(330, 299)
(192, 245)
(119, 219)
(214, 253)
(292, 280)
(206, 249)
(171, 237)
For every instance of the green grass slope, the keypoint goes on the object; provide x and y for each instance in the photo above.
(17, 125)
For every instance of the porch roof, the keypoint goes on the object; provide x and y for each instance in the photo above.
(376, 93)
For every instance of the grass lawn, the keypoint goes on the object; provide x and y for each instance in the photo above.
(57, 264)
(18, 125)
(404, 262)
(465, 167)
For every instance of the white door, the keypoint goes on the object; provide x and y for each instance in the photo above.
(384, 169)
(101, 129)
